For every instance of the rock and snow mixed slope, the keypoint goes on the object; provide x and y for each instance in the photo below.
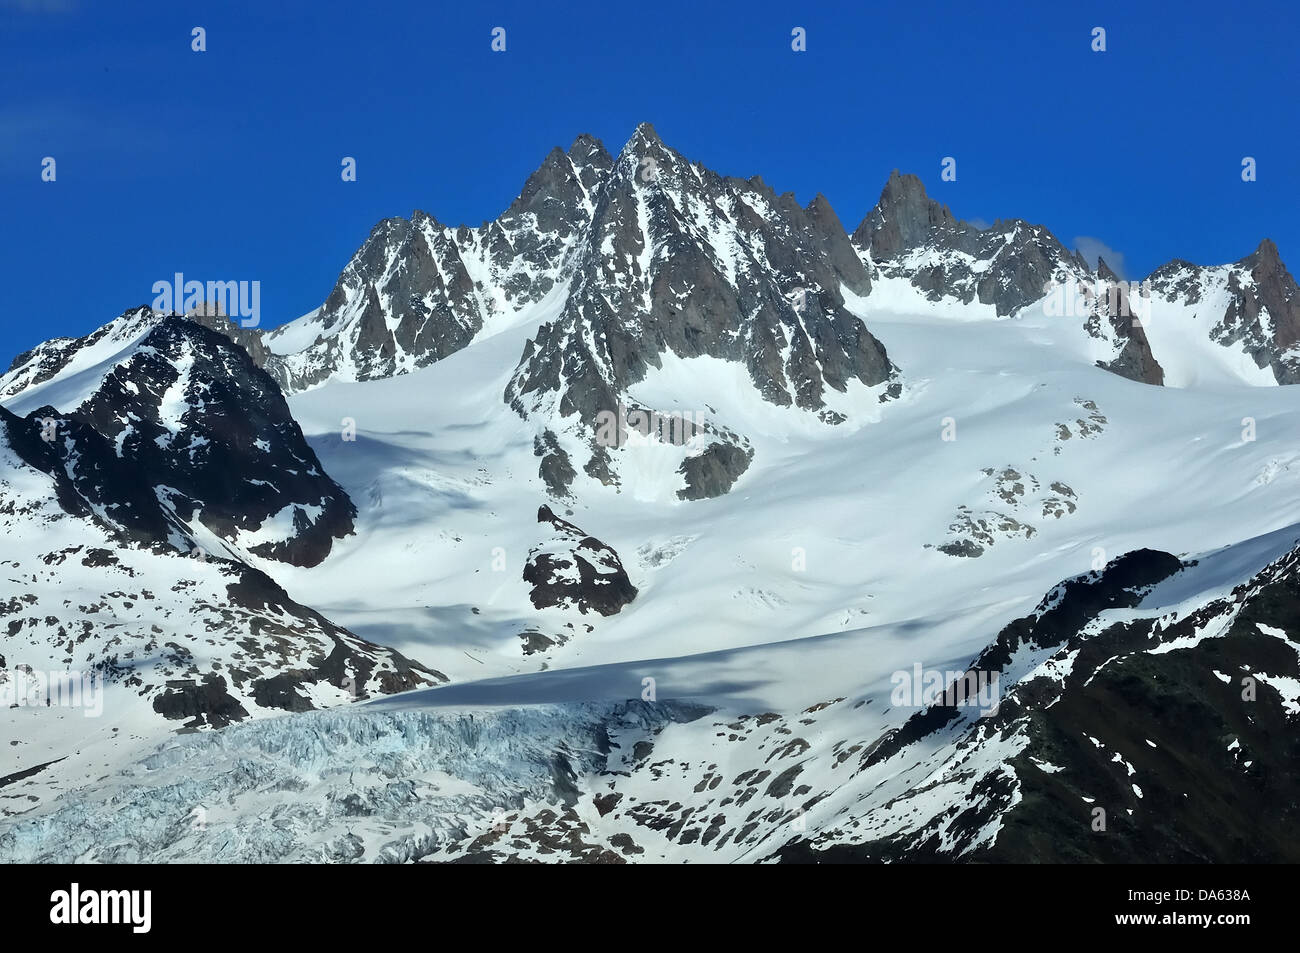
(174, 410)
(920, 249)
(418, 290)
(127, 515)
(899, 450)
(1227, 323)
(1155, 692)
(680, 263)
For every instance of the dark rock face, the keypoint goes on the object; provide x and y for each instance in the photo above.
(1174, 736)
(187, 419)
(695, 299)
(1205, 752)
(203, 641)
(250, 339)
(340, 658)
(1112, 304)
(1022, 258)
(1263, 310)
(1009, 265)
(1274, 291)
(535, 642)
(91, 480)
(905, 218)
(219, 432)
(1066, 610)
(1059, 618)
(418, 290)
(1136, 361)
(678, 259)
(555, 469)
(575, 571)
(205, 703)
(397, 272)
(713, 472)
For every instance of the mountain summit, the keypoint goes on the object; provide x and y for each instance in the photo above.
(646, 264)
(718, 533)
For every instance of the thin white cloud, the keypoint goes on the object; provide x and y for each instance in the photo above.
(1094, 248)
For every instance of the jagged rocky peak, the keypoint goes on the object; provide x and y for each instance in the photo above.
(1271, 289)
(1135, 359)
(826, 228)
(199, 416)
(903, 218)
(560, 188)
(192, 440)
(58, 356)
(910, 235)
(589, 156)
(1254, 303)
(1266, 258)
(418, 290)
(681, 261)
(1009, 265)
(50, 358)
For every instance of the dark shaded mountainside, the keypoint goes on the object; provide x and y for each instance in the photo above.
(1138, 740)
(129, 521)
(1124, 733)
(187, 410)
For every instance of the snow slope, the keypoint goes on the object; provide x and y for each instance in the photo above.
(443, 484)
(995, 495)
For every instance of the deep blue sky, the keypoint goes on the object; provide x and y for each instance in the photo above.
(225, 164)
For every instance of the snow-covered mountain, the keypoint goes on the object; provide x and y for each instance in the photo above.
(130, 515)
(418, 290)
(673, 499)
(164, 407)
(916, 242)
(1227, 322)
